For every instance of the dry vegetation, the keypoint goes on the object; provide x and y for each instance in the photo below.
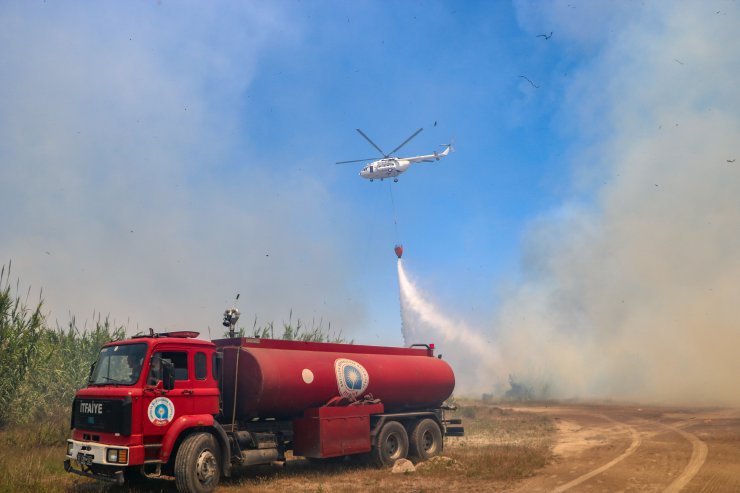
(41, 367)
(31, 468)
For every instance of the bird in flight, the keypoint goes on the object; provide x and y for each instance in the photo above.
(730, 160)
(546, 36)
(527, 79)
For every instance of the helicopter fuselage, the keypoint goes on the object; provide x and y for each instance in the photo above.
(385, 168)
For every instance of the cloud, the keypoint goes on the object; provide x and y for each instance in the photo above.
(127, 184)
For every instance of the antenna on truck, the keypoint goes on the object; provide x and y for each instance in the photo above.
(231, 316)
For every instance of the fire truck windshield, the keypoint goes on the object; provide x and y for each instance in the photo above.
(119, 365)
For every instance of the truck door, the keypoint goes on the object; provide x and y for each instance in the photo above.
(205, 386)
(162, 407)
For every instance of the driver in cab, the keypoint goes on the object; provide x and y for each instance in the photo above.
(155, 370)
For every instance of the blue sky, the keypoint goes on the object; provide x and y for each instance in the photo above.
(392, 70)
(277, 90)
(158, 157)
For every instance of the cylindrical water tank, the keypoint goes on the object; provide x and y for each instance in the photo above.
(281, 379)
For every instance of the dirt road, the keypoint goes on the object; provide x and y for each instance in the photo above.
(631, 448)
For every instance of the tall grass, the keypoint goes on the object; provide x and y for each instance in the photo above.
(20, 332)
(41, 367)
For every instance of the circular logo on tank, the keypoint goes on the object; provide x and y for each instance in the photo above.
(352, 378)
(161, 411)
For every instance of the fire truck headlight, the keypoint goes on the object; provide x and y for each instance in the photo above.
(70, 445)
(117, 455)
(112, 455)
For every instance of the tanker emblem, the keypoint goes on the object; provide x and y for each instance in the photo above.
(161, 411)
(352, 378)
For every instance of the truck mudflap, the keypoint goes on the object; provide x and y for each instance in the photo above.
(116, 478)
(456, 430)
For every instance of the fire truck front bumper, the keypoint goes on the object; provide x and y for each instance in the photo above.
(96, 460)
(116, 477)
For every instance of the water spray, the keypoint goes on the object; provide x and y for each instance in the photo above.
(418, 314)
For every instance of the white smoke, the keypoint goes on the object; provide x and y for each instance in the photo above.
(630, 289)
(634, 295)
(129, 181)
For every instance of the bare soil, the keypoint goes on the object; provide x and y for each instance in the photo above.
(633, 448)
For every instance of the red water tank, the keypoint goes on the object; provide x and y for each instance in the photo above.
(281, 379)
(399, 250)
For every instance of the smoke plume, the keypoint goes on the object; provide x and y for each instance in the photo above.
(632, 292)
(129, 182)
(630, 289)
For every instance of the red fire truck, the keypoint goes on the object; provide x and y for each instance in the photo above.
(170, 404)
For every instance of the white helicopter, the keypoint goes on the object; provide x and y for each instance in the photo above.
(389, 166)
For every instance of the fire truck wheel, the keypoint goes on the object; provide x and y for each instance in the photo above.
(426, 440)
(198, 464)
(391, 444)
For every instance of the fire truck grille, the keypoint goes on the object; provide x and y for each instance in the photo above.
(102, 415)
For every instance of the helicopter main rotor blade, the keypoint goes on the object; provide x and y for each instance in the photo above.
(356, 160)
(372, 143)
(406, 141)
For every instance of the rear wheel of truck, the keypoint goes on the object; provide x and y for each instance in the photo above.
(426, 440)
(198, 464)
(391, 444)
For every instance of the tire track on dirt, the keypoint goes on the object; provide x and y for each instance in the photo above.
(698, 457)
(636, 441)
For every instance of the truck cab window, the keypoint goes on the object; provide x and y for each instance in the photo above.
(119, 365)
(179, 360)
(201, 370)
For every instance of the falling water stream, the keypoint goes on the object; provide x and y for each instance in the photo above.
(422, 322)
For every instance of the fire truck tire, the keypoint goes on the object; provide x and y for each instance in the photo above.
(391, 444)
(198, 464)
(425, 441)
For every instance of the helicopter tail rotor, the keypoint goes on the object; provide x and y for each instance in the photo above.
(448, 149)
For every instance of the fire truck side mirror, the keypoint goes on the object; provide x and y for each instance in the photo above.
(168, 375)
